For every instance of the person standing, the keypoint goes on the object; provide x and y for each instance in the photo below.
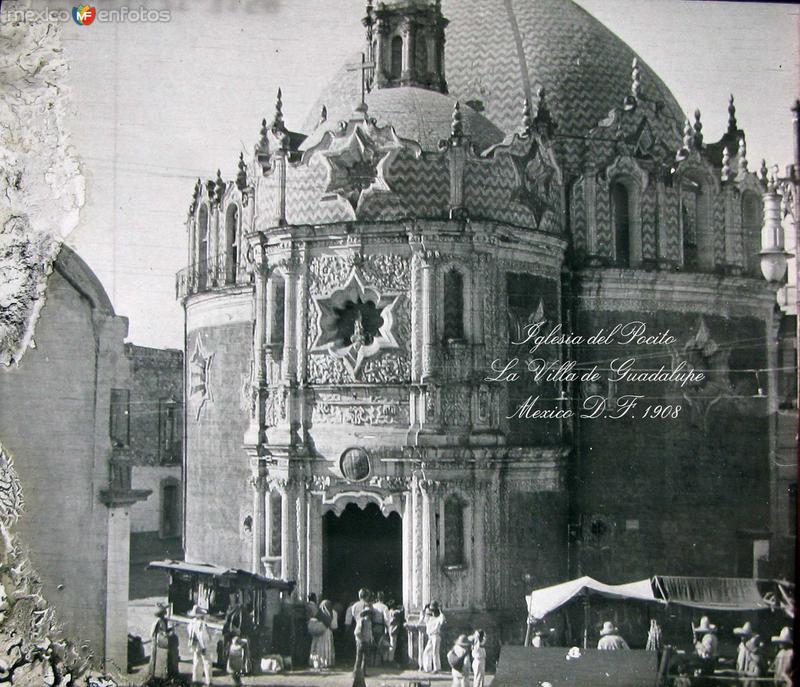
(397, 619)
(610, 639)
(363, 637)
(782, 665)
(160, 646)
(199, 641)
(744, 633)
(431, 655)
(707, 646)
(380, 621)
(237, 657)
(322, 654)
(478, 658)
(459, 659)
(753, 666)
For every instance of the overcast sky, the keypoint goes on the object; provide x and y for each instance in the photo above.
(155, 105)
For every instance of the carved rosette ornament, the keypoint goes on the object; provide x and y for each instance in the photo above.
(356, 322)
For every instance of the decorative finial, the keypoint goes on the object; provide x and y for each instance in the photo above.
(733, 127)
(726, 164)
(457, 125)
(323, 116)
(742, 157)
(763, 174)
(772, 182)
(698, 130)
(636, 78)
(241, 176)
(198, 188)
(219, 190)
(688, 135)
(262, 136)
(211, 189)
(277, 120)
(527, 121)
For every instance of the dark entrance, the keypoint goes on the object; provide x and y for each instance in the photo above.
(362, 548)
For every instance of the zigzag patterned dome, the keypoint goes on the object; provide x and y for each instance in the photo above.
(499, 51)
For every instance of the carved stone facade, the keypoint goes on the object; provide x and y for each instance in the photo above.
(390, 261)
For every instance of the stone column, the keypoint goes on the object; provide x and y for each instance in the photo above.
(428, 259)
(289, 371)
(288, 532)
(428, 540)
(254, 434)
(259, 485)
(314, 542)
(408, 550)
(407, 73)
(302, 532)
(416, 546)
(478, 547)
(381, 60)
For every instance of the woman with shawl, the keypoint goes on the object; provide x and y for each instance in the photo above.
(322, 654)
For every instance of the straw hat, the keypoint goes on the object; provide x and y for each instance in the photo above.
(608, 629)
(197, 611)
(745, 630)
(705, 626)
(785, 637)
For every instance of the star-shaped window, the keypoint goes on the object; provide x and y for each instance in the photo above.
(356, 322)
(357, 163)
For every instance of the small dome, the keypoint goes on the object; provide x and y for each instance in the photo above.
(415, 113)
(498, 52)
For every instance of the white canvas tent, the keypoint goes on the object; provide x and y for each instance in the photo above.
(543, 601)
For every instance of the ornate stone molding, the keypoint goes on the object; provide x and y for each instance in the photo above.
(362, 344)
(338, 501)
(636, 291)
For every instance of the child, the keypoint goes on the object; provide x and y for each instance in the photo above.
(458, 658)
(478, 658)
(236, 658)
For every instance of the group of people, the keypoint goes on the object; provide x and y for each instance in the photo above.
(467, 659)
(376, 626)
(233, 652)
(751, 657)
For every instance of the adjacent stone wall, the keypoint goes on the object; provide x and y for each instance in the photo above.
(656, 489)
(219, 498)
(49, 428)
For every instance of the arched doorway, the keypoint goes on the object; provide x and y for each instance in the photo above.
(361, 548)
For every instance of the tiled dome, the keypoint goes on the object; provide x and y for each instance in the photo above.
(415, 113)
(498, 50)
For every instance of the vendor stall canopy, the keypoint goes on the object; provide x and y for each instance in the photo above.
(714, 593)
(218, 571)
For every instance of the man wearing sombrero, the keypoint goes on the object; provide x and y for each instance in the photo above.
(782, 666)
(200, 642)
(744, 633)
(610, 639)
(707, 645)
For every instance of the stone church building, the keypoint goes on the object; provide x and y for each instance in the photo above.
(353, 292)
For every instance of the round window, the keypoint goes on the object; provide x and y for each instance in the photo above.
(355, 464)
